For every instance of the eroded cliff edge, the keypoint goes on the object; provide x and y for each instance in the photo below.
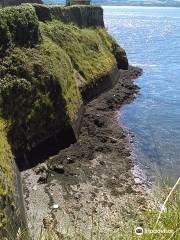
(53, 61)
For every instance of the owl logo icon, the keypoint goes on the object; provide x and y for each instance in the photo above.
(139, 231)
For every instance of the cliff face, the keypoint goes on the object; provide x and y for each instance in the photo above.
(84, 16)
(49, 65)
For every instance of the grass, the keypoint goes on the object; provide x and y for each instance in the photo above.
(89, 52)
(5, 161)
(163, 215)
(6, 173)
(159, 222)
(14, 21)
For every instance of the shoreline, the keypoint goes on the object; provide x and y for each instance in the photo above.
(140, 175)
(89, 183)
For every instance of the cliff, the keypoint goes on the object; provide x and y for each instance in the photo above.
(51, 61)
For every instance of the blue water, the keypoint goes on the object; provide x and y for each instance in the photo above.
(151, 38)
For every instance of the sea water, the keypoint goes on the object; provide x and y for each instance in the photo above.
(151, 38)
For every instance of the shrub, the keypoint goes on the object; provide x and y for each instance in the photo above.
(18, 26)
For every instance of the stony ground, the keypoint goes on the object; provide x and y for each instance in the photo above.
(89, 187)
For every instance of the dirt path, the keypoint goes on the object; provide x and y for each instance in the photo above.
(89, 186)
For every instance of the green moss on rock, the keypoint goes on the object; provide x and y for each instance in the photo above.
(90, 54)
(39, 92)
(120, 55)
(118, 52)
(6, 173)
(6, 159)
(12, 215)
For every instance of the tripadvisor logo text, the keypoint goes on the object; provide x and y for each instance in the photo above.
(140, 231)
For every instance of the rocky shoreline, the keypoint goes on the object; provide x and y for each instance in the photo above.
(89, 187)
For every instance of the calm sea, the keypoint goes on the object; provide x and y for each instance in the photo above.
(151, 37)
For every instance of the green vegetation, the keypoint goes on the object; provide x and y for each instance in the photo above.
(18, 26)
(41, 83)
(6, 158)
(88, 49)
(6, 172)
(161, 221)
(165, 215)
